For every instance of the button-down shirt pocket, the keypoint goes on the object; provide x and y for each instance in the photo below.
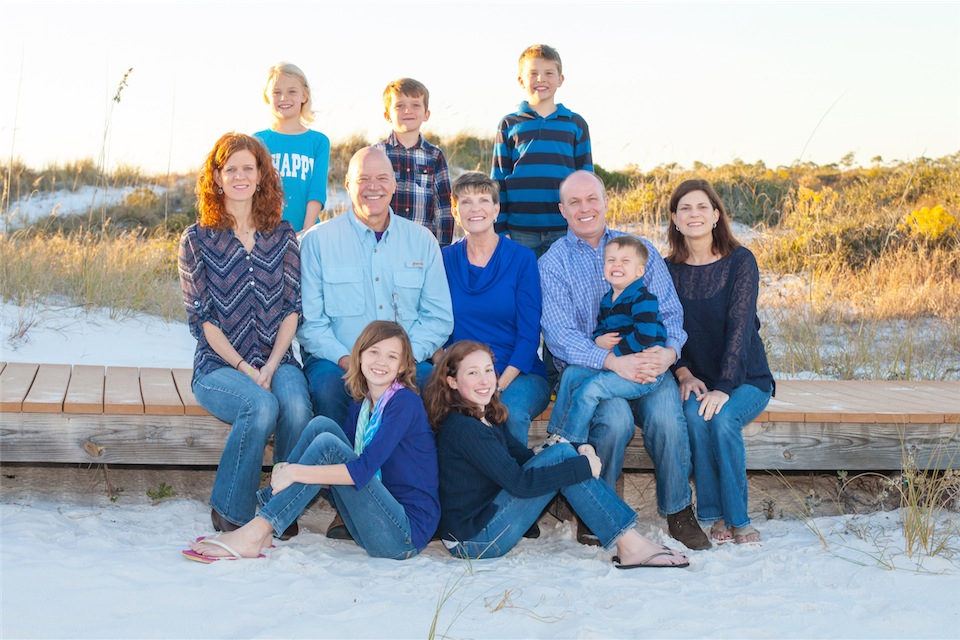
(342, 291)
(408, 284)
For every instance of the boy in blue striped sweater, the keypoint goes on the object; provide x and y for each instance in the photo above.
(536, 148)
(628, 322)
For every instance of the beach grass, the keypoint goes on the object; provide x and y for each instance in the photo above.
(860, 266)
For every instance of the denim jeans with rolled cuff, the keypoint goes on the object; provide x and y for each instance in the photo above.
(377, 522)
(593, 500)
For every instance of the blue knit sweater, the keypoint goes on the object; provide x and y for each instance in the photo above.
(477, 462)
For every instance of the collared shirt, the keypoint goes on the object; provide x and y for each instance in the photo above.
(423, 185)
(349, 280)
(571, 277)
(531, 157)
(246, 295)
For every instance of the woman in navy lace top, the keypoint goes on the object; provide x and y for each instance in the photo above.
(724, 378)
(240, 277)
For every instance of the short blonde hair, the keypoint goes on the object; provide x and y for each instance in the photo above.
(542, 51)
(474, 182)
(406, 87)
(293, 71)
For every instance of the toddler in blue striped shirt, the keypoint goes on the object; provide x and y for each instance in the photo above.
(628, 322)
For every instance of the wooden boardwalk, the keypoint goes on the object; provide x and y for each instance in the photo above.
(125, 415)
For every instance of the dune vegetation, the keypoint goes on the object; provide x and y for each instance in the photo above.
(860, 265)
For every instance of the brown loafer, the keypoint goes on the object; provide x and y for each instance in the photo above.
(290, 531)
(585, 536)
(683, 527)
(220, 523)
(337, 530)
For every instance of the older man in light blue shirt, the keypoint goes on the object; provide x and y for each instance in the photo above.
(364, 265)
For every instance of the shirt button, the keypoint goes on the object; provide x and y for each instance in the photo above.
(253, 284)
(251, 269)
(381, 306)
(376, 279)
(248, 256)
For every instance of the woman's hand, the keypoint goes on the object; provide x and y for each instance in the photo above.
(688, 384)
(590, 453)
(509, 375)
(608, 340)
(264, 376)
(711, 403)
(284, 475)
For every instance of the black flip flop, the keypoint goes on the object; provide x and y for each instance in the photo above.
(644, 564)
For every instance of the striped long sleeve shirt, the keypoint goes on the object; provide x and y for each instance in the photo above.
(531, 158)
(635, 315)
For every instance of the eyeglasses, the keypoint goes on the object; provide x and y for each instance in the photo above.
(395, 303)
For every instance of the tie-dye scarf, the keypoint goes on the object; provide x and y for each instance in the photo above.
(368, 424)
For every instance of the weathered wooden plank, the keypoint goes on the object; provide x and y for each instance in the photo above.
(114, 439)
(121, 391)
(85, 393)
(183, 379)
(15, 381)
(829, 446)
(159, 392)
(48, 389)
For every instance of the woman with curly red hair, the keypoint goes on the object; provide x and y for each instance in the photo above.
(240, 277)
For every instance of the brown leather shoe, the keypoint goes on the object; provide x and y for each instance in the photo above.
(683, 527)
(337, 530)
(290, 531)
(585, 536)
(220, 523)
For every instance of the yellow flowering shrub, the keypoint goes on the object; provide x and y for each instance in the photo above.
(930, 223)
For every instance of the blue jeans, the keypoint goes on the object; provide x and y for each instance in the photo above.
(373, 516)
(255, 414)
(328, 391)
(538, 241)
(719, 459)
(581, 390)
(594, 501)
(664, 429)
(526, 398)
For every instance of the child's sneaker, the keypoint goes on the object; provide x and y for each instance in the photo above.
(550, 440)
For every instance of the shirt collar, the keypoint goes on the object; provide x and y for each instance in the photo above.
(392, 141)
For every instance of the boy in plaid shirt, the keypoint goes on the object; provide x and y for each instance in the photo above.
(423, 180)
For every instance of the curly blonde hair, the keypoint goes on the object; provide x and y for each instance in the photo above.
(268, 201)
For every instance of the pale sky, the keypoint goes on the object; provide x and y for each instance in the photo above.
(657, 82)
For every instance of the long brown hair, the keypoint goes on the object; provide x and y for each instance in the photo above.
(440, 399)
(378, 331)
(723, 241)
(267, 201)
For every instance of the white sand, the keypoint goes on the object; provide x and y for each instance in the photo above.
(81, 566)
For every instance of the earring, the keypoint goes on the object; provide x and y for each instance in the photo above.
(258, 189)
(219, 190)
(714, 225)
(677, 227)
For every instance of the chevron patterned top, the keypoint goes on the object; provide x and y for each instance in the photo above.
(246, 295)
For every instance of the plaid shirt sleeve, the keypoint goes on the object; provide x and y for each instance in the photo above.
(442, 215)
